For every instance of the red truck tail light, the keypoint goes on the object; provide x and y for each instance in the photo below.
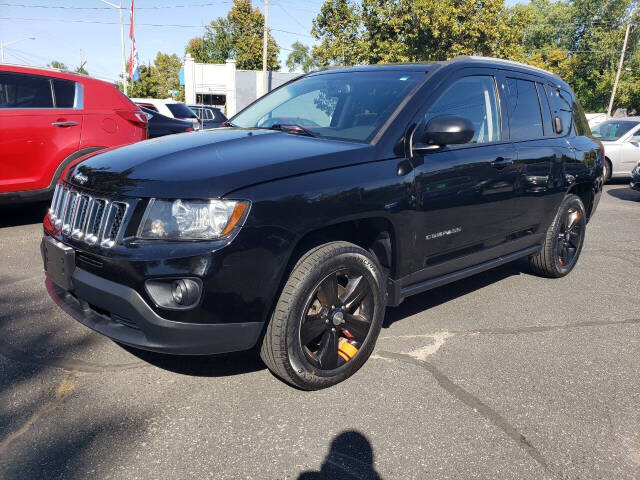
(138, 118)
(188, 129)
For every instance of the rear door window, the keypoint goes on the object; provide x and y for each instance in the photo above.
(525, 118)
(25, 91)
(65, 93)
(546, 111)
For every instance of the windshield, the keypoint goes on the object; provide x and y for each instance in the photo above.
(612, 130)
(345, 106)
(180, 110)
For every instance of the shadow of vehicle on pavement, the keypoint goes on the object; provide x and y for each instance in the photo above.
(16, 215)
(350, 456)
(221, 365)
(625, 193)
(432, 298)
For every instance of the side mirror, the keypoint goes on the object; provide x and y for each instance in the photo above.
(635, 139)
(446, 130)
(557, 125)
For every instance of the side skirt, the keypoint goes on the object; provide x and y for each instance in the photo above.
(396, 294)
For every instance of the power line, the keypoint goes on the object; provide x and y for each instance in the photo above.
(155, 7)
(99, 22)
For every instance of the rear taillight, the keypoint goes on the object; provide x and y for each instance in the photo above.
(188, 129)
(138, 118)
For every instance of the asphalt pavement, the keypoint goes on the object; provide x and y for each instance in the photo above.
(504, 375)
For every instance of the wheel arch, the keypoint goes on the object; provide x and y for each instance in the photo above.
(374, 234)
(586, 192)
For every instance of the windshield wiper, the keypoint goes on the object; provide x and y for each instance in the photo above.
(292, 128)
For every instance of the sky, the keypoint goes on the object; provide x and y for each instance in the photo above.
(62, 31)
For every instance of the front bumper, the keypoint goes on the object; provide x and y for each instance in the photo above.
(120, 313)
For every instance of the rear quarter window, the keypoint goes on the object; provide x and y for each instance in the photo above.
(25, 91)
(561, 102)
(180, 110)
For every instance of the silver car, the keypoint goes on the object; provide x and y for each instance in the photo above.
(621, 140)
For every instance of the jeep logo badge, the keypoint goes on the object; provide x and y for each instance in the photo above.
(80, 178)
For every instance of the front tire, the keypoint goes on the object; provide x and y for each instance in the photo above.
(564, 240)
(328, 317)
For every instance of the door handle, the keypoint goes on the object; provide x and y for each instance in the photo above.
(64, 124)
(501, 162)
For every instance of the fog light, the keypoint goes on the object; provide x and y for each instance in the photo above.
(185, 291)
(173, 294)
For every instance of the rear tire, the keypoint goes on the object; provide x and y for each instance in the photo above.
(606, 171)
(335, 293)
(564, 240)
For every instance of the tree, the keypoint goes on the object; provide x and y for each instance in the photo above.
(57, 64)
(581, 40)
(158, 78)
(237, 36)
(338, 26)
(383, 31)
(300, 58)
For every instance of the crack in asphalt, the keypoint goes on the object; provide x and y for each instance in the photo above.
(518, 330)
(71, 365)
(474, 403)
(547, 328)
(62, 391)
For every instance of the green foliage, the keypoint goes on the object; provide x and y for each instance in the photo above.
(578, 39)
(237, 36)
(581, 40)
(158, 78)
(300, 58)
(57, 64)
(385, 31)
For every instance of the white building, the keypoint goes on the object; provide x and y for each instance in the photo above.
(224, 85)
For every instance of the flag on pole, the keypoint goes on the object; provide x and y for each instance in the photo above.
(134, 71)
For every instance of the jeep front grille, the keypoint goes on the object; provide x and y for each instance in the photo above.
(85, 217)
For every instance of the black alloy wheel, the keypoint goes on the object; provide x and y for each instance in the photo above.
(569, 237)
(328, 317)
(339, 310)
(564, 239)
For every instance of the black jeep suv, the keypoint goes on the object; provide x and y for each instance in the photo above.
(322, 203)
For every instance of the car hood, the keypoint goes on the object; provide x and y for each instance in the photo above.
(212, 163)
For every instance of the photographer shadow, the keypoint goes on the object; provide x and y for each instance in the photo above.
(350, 456)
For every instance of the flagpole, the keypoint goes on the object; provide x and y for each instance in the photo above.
(124, 60)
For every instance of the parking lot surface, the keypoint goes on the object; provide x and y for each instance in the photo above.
(502, 375)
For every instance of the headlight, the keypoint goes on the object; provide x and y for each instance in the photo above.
(192, 219)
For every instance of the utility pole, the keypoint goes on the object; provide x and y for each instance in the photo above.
(124, 58)
(4, 44)
(265, 39)
(615, 83)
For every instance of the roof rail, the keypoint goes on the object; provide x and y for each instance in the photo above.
(460, 58)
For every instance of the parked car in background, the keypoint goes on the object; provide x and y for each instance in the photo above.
(160, 125)
(595, 118)
(393, 180)
(170, 108)
(635, 178)
(621, 140)
(49, 118)
(211, 117)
